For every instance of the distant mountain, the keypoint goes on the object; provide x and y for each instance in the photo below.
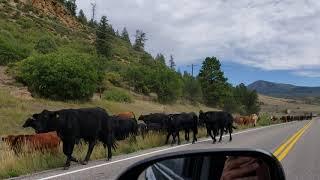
(284, 90)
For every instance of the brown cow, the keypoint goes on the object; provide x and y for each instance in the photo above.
(129, 115)
(239, 120)
(246, 120)
(37, 142)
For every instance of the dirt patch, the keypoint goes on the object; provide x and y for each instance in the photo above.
(8, 82)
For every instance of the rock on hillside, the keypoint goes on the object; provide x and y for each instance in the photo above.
(51, 8)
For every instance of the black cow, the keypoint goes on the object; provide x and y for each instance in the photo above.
(123, 127)
(217, 121)
(156, 121)
(183, 121)
(90, 124)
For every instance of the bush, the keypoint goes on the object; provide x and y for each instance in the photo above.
(264, 120)
(46, 45)
(117, 95)
(115, 78)
(60, 76)
(10, 49)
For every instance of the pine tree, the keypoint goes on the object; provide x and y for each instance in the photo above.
(213, 83)
(140, 40)
(103, 46)
(82, 17)
(125, 35)
(172, 64)
(160, 58)
(71, 6)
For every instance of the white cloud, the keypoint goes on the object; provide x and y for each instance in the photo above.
(312, 74)
(268, 34)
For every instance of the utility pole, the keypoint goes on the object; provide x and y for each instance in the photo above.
(192, 67)
(93, 4)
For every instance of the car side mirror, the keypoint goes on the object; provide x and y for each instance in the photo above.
(216, 164)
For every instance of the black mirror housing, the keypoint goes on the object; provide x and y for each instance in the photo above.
(274, 166)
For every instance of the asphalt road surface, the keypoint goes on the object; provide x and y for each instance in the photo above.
(299, 142)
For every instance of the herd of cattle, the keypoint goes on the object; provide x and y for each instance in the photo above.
(95, 124)
(292, 118)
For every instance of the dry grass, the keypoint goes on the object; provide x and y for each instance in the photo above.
(278, 106)
(12, 165)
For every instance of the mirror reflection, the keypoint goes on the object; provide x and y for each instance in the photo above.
(209, 168)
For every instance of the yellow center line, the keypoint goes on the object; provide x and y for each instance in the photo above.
(285, 144)
(285, 148)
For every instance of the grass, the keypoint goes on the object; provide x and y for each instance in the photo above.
(12, 165)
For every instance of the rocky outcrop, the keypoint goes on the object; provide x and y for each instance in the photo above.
(53, 9)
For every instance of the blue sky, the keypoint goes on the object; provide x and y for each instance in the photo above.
(275, 40)
(237, 73)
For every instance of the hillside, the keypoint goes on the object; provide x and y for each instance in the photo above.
(279, 106)
(284, 90)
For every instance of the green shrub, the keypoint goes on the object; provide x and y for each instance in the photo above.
(117, 95)
(10, 49)
(115, 78)
(46, 45)
(60, 76)
(264, 120)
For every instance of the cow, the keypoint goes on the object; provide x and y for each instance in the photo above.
(283, 119)
(247, 120)
(45, 142)
(239, 120)
(217, 121)
(253, 118)
(274, 118)
(123, 127)
(127, 115)
(155, 122)
(71, 125)
(184, 121)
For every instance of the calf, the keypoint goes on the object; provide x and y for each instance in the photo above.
(217, 121)
(71, 125)
(183, 121)
(45, 142)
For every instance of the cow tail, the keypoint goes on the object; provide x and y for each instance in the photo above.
(234, 127)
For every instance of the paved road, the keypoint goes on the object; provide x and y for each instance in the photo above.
(302, 161)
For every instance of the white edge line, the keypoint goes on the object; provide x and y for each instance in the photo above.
(153, 152)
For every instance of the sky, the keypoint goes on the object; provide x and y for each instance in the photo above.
(274, 40)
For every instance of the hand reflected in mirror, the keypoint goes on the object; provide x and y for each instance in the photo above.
(245, 168)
